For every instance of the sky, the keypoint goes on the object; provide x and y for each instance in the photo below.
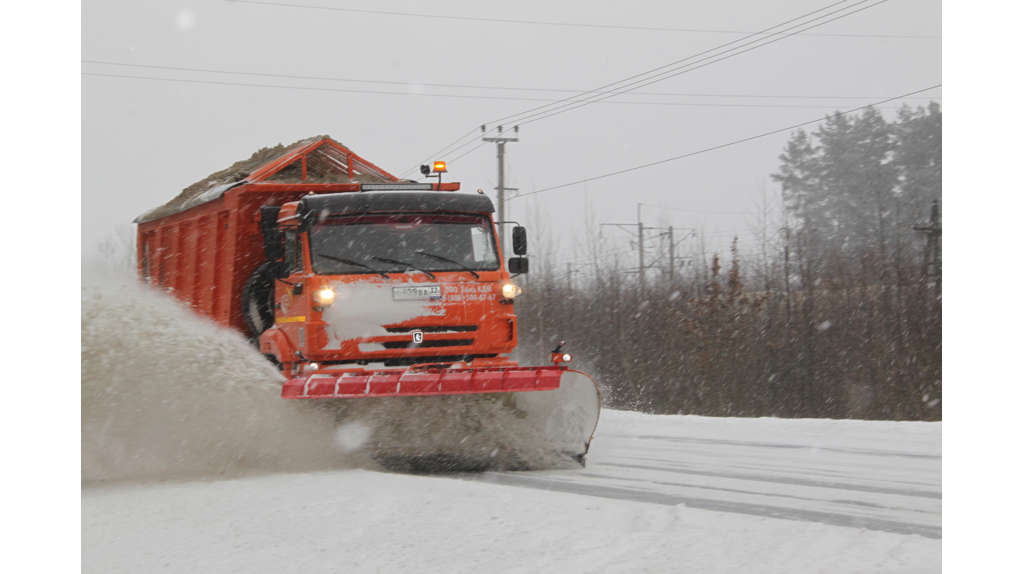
(398, 81)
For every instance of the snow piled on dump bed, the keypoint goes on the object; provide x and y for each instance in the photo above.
(365, 521)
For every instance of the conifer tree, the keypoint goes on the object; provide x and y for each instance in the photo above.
(918, 158)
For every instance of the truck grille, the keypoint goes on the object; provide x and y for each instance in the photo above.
(426, 344)
(441, 329)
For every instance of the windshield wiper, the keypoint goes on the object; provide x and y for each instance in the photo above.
(356, 263)
(439, 258)
(407, 265)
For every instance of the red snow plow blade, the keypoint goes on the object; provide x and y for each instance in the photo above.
(420, 382)
(433, 417)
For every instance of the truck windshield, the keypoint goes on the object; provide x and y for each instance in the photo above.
(397, 242)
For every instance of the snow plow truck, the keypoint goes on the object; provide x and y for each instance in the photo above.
(384, 302)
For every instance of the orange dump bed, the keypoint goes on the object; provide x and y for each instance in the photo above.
(203, 245)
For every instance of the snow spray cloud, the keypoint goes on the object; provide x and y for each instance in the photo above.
(446, 433)
(166, 394)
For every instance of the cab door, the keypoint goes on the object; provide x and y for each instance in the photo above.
(293, 308)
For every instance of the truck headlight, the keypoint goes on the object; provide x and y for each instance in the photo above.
(511, 291)
(323, 297)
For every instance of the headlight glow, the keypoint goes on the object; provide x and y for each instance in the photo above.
(511, 291)
(324, 296)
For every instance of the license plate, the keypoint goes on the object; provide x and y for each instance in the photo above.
(416, 293)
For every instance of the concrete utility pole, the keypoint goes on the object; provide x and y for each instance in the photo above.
(501, 140)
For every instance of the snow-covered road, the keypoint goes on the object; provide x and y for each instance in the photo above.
(876, 475)
(659, 494)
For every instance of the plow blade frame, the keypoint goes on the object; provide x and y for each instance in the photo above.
(422, 382)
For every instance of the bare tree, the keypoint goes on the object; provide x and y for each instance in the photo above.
(117, 250)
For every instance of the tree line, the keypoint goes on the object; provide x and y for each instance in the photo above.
(837, 312)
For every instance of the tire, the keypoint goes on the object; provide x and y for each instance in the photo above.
(435, 464)
(273, 361)
(258, 299)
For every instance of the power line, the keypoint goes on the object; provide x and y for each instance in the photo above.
(572, 105)
(570, 24)
(299, 87)
(465, 96)
(468, 86)
(445, 150)
(468, 152)
(549, 113)
(713, 212)
(673, 73)
(730, 233)
(719, 146)
(569, 101)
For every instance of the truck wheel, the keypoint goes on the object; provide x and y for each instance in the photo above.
(258, 299)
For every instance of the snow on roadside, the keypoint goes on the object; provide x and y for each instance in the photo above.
(362, 521)
(912, 437)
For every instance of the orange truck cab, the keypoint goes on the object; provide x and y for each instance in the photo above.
(393, 277)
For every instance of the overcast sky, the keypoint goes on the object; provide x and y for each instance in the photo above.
(143, 140)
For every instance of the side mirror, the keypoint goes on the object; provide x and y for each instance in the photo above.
(519, 240)
(518, 265)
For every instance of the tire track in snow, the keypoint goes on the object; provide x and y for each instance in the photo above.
(788, 480)
(846, 482)
(792, 446)
(769, 511)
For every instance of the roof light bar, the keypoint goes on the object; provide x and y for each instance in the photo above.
(396, 186)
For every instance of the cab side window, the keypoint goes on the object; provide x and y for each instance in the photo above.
(297, 254)
(293, 251)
